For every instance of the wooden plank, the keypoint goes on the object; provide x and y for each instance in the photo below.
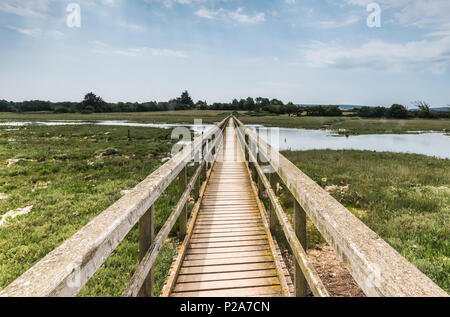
(226, 276)
(198, 239)
(236, 226)
(229, 255)
(264, 291)
(227, 244)
(228, 261)
(229, 222)
(227, 268)
(227, 284)
(227, 228)
(227, 219)
(244, 233)
(235, 250)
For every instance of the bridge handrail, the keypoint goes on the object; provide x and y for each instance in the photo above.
(65, 270)
(377, 268)
(307, 270)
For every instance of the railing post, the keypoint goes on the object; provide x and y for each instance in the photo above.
(204, 168)
(260, 186)
(146, 237)
(300, 231)
(213, 138)
(198, 181)
(247, 149)
(272, 216)
(183, 216)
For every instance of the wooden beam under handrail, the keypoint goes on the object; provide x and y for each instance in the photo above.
(65, 270)
(377, 268)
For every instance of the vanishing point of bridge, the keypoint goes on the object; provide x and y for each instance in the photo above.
(229, 253)
(228, 244)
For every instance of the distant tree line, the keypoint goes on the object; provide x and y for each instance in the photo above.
(95, 104)
(401, 112)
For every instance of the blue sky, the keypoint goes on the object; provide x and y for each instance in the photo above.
(305, 51)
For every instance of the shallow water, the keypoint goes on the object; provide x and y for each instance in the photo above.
(431, 144)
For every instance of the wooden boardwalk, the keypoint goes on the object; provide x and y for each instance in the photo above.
(228, 249)
(229, 253)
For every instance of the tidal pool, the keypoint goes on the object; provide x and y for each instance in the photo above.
(431, 144)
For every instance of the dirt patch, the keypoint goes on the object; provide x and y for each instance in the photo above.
(14, 213)
(12, 162)
(335, 277)
(333, 273)
(106, 153)
(333, 188)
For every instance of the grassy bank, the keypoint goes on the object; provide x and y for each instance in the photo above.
(69, 175)
(405, 198)
(348, 125)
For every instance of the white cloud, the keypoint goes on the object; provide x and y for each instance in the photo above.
(35, 32)
(26, 8)
(416, 56)
(29, 32)
(419, 13)
(240, 17)
(132, 26)
(237, 15)
(207, 14)
(111, 3)
(142, 51)
(103, 48)
(335, 24)
(170, 3)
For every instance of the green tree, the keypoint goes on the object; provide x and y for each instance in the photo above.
(93, 103)
(249, 104)
(398, 111)
(186, 99)
(291, 109)
(4, 106)
(425, 109)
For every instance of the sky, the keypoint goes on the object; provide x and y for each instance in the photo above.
(304, 51)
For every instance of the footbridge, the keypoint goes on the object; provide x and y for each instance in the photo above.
(228, 240)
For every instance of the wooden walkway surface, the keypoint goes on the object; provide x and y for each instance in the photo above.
(229, 253)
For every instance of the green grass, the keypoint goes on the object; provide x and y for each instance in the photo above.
(348, 125)
(405, 198)
(69, 175)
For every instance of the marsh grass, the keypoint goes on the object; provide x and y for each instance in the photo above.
(351, 125)
(405, 198)
(69, 175)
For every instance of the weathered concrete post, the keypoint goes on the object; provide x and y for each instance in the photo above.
(182, 178)
(146, 237)
(300, 231)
